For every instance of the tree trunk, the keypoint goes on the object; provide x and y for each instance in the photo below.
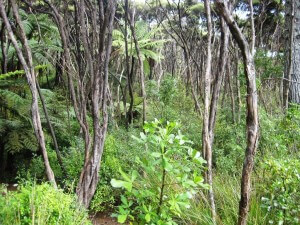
(58, 155)
(127, 62)
(79, 107)
(192, 83)
(231, 93)
(238, 94)
(141, 66)
(207, 148)
(31, 79)
(4, 48)
(219, 78)
(252, 106)
(291, 93)
(89, 177)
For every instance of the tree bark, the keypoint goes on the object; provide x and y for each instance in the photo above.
(89, 177)
(291, 88)
(252, 107)
(206, 143)
(4, 47)
(129, 83)
(92, 81)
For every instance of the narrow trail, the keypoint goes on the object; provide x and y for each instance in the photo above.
(103, 219)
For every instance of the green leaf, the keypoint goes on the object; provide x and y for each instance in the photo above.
(167, 166)
(147, 217)
(143, 136)
(146, 67)
(124, 200)
(134, 175)
(198, 179)
(122, 218)
(116, 183)
(128, 186)
(156, 154)
(124, 175)
(121, 184)
(137, 139)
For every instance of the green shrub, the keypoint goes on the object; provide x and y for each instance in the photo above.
(73, 159)
(229, 146)
(40, 204)
(105, 197)
(167, 178)
(36, 168)
(172, 103)
(281, 191)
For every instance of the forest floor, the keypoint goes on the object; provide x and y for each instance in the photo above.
(103, 219)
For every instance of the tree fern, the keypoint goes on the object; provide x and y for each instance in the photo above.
(146, 41)
(15, 104)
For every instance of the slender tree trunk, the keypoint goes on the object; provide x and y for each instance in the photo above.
(231, 93)
(130, 89)
(141, 67)
(252, 106)
(92, 84)
(31, 79)
(79, 108)
(289, 22)
(129, 72)
(207, 148)
(4, 48)
(192, 83)
(219, 78)
(239, 102)
(58, 155)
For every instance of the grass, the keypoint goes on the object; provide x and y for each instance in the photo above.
(227, 195)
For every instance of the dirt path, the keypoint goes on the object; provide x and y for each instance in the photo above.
(103, 219)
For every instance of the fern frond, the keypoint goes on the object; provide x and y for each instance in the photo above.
(15, 103)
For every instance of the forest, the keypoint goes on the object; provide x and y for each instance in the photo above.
(149, 112)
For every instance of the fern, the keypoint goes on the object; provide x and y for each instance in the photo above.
(145, 37)
(15, 104)
(12, 142)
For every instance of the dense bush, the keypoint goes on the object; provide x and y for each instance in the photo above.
(72, 160)
(167, 178)
(170, 102)
(281, 191)
(229, 146)
(40, 204)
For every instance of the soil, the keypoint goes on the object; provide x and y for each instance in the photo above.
(9, 187)
(103, 219)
